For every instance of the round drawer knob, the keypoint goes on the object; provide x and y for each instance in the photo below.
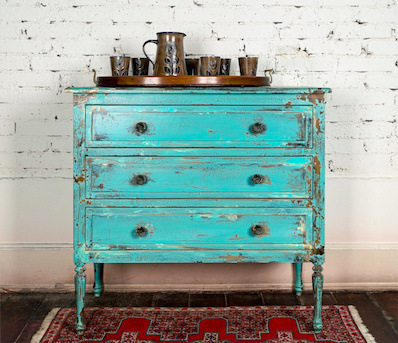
(257, 179)
(258, 127)
(141, 231)
(140, 179)
(257, 230)
(141, 127)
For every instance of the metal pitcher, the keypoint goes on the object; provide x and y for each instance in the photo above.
(170, 58)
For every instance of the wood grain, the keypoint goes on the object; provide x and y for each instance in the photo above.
(182, 81)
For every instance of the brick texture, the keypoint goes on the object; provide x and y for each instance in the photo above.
(348, 45)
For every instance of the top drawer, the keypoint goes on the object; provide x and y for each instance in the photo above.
(199, 126)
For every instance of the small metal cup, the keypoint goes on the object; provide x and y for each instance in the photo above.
(192, 66)
(210, 65)
(140, 66)
(248, 66)
(225, 66)
(120, 65)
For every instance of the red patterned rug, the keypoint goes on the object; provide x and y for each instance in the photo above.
(261, 324)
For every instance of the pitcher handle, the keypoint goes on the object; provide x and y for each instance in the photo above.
(270, 71)
(143, 49)
(95, 77)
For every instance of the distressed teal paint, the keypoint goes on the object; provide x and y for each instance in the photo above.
(98, 279)
(80, 287)
(198, 153)
(298, 285)
(115, 228)
(198, 126)
(317, 282)
(226, 254)
(194, 177)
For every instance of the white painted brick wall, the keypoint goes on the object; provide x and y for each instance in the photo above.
(348, 45)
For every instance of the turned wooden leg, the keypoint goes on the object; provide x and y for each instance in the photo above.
(80, 288)
(317, 285)
(98, 279)
(298, 285)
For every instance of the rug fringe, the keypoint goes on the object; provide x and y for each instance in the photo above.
(361, 326)
(44, 326)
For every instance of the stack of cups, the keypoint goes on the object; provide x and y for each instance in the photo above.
(120, 65)
(206, 66)
(248, 66)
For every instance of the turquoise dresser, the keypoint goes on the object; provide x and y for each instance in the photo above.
(191, 175)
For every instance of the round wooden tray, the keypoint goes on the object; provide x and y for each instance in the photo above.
(181, 81)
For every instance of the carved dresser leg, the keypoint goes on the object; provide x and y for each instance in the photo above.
(80, 288)
(317, 285)
(98, 279)
(298, 285)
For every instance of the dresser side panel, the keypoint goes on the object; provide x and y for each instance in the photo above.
(319, 183)
(79, 182)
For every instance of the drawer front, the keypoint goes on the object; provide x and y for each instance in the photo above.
(206, 177)
(199, 126)
(199, 228)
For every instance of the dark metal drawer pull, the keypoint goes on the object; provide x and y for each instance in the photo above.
(258, 127)
(141, 127)
(257, 230)
(139, 179)
(141, 231)
(257, 179)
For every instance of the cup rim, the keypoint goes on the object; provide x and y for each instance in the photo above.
(204, 56)
(179, 33)
(127, 56)
(247, 57)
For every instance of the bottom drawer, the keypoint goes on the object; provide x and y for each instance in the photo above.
(198, 228)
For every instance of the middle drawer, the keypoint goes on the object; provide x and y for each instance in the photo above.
(199, 177)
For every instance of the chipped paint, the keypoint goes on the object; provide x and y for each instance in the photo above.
(229, 218)
(80, 142)
(100, 136)
(318, 126)
(102, 112)
(302, 227)
(318, 251)
(82, 99)
(193, 248)
(235, 258)
(79, 178)
(317, 165)
(315, 97)
(266, 180)
(236, 238)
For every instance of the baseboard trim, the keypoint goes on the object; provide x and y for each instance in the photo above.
(36, 246)
(145, 288)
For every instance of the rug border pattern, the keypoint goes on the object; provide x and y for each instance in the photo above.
(349, 315)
